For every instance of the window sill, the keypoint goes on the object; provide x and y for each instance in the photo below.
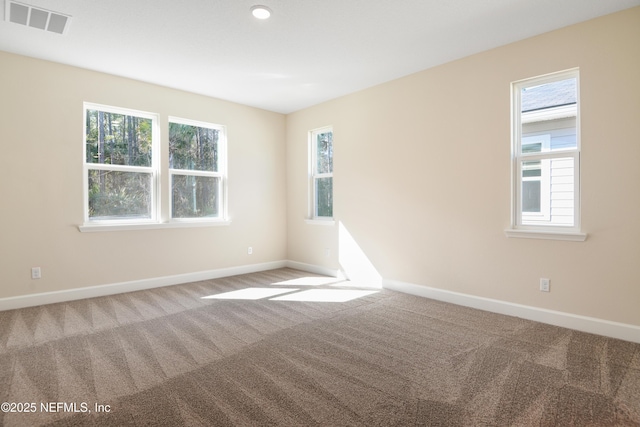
(318, 221)
(90, 228)
(572, 236)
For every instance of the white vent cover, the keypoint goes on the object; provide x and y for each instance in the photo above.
(36, 17)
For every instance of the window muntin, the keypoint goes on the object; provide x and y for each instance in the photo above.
(546, 152)
(120, 165)
(321, 150)
(196, 169)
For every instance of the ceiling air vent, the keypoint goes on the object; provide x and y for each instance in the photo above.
(36, 17)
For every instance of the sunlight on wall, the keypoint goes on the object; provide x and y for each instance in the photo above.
(357, 267)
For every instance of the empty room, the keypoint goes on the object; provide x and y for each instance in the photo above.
(320, 213)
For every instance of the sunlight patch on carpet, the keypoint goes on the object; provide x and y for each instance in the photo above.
(250, 293)
(309, 281)
(324, 295)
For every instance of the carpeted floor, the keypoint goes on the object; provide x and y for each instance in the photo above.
(170, 357)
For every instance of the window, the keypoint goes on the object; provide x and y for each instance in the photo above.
(121, 165)
(196, 168)
(123, 176)
(546, 154)
(321, 173)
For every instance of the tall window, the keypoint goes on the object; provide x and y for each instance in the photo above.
(546, 152)
(321, 173)
(196, 169)
(121, 178)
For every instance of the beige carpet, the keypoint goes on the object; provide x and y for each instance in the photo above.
(170, 357)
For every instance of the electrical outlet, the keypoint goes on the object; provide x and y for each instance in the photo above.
(544, 285)
(327, 252)
(36, 273)
(250, 250)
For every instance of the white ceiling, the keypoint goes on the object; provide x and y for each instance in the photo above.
(309, 51)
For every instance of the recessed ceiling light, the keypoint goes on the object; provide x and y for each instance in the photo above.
(261, 12)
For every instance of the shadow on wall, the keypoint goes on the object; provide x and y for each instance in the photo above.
(354, 262)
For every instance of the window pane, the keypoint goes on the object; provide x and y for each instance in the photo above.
(324, 152)
(551, 194)
(193, 147)
(324, 197)
(549, 111)
(531, 196)
(548, 95)
(194, 196)
(118, 139)
(119, 194)
(531, 169)
(532, 148)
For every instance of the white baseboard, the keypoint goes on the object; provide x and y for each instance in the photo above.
(592, 325)
(32, 300)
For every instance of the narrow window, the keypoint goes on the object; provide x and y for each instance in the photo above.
(197, 169)
(546, 153)
(321, 172)
(120, 165)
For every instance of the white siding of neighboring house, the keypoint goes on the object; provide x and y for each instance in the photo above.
(562, 136)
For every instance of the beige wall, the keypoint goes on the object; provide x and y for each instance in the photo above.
(422, 176)
(41, 183)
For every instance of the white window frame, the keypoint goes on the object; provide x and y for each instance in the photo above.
(313, 217)
(221, 173)
(544, 231)
(153, 169)
(159, 218)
